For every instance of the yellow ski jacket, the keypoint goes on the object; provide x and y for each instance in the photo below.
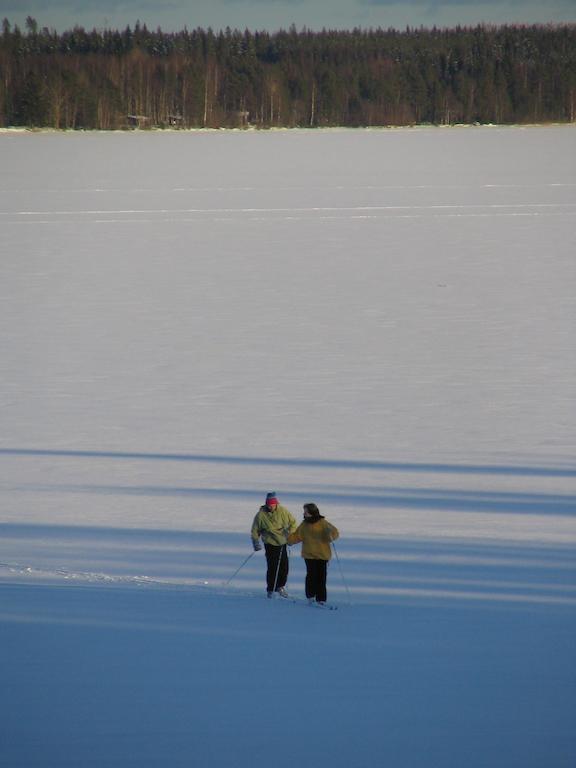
(273, 526)
(316, 538)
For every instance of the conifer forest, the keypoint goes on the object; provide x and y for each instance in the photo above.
(107, 79)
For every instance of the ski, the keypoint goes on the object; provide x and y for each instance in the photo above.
(304, 603)
(323, 607)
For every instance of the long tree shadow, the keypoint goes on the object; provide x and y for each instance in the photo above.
(447, 500)
(365, 570)
(388, 466)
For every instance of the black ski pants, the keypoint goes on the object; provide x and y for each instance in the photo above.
(277, 570)
(316, 572)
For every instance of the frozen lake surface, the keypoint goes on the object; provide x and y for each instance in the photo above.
(379, 321)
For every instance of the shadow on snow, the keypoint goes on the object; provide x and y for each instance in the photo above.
(447, 500)
(366, 570)
(387, 466)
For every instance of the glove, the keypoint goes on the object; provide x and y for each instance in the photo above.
(257, 546)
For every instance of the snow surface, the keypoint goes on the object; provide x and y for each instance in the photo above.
(379, 321)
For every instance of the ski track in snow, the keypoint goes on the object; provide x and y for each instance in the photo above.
(299, 188)
(360, 589)
(18, 570)
(364, 212)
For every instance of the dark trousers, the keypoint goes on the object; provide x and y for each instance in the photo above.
(277, 572)
(316, 571)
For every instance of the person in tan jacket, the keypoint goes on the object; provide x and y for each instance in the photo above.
(316, 535)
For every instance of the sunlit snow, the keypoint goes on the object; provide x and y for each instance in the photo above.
(382, 322)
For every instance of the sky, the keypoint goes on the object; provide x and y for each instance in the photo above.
(271, 15)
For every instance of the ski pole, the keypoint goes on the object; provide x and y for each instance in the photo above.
(239, 569)
(342, 573)
(278, 566)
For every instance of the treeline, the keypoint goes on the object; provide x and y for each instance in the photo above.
(113, 79)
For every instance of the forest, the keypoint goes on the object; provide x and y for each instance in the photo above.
(139, 78)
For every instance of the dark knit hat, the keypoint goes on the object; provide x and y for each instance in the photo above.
(312, 510)
(271, 498)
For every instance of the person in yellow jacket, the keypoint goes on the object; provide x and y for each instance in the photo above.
(316, 535)
(272, 524)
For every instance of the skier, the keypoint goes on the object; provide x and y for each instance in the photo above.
(273, 523)
(316, 535)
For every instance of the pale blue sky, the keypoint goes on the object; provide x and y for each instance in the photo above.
(275, 14)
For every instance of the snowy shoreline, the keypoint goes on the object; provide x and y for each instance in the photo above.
(299, 129)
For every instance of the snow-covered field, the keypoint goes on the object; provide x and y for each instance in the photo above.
(382, 322)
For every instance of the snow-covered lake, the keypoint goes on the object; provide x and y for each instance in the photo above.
(382, 322)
